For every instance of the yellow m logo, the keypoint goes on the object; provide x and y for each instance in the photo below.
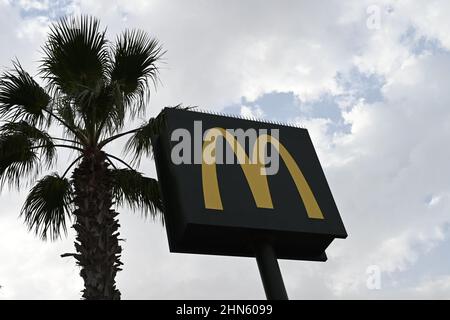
(253, 169)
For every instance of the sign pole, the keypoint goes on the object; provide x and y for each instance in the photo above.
(270, 271)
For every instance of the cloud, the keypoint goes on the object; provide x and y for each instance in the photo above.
(396, 159)
(251, 112)
(434, 288)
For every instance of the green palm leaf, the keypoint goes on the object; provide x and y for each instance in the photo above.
(47, 207)
(36, 138)
(17, 159)
(21, 98)
(139, 143)
(63, 108)
(102, 106)
(113, 113)
(139, 192)
(76, 55)
(135, 66)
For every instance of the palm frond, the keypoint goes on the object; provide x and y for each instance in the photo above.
(18, 160)
(135, 67)
(137, 191)
(139, 143)
(63, 107)
(102, 107)
(76, 55)
(47, 207)
(37, 138)
(114, 112)
(21, 97)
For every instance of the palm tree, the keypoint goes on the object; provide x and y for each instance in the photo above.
(92, 87)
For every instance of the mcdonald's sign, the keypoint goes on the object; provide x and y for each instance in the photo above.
(227, 182)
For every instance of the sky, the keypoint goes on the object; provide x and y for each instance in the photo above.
(368, 79)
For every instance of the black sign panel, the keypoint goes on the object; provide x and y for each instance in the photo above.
(224, 205)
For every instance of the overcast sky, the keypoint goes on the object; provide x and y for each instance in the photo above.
(369, 79)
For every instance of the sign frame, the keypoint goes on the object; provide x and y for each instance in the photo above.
(233, 230)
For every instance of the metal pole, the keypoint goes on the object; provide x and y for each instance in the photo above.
(270, 272)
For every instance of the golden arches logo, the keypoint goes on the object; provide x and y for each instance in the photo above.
(253, 169)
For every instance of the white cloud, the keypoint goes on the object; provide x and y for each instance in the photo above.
(249, 112)
(34, 4)
(396, 160)
(434, 288)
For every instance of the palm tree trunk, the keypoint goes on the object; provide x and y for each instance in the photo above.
(97, 243)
